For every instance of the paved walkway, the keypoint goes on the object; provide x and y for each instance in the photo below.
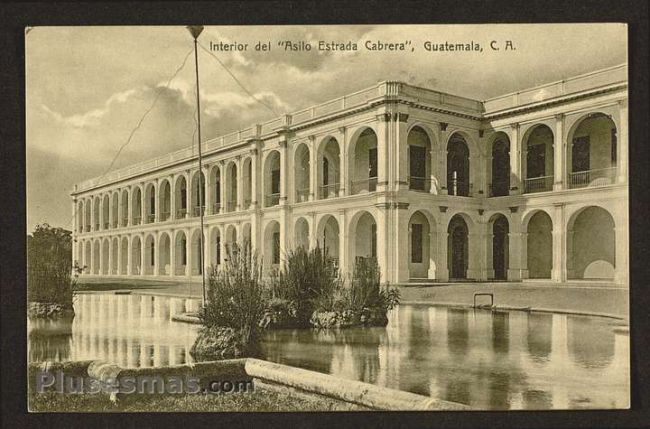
(578, 297)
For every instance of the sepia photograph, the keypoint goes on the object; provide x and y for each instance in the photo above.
(293, 218)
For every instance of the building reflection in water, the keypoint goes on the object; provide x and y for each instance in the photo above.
(488, 360)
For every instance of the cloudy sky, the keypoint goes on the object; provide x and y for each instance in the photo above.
(87, 87)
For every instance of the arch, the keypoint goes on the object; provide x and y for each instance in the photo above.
(231, 187)
(180, 254)
(80, 216)
(363, 234)
(106, 207)
(328, 168)
(115, 245)
(87, 257)
(95, 257)
(592, 151)
(216, 245)
(301, 232)
(272, 177)
(125, 207)
(500, 246)
(136, 255)
(150, 202)
(588, 258)
(164, 255)
(301, 172)
(419, 159)
(180, 197)
(458, 168)
(363, 165)
(137, 206)
(124, 244)
(328, 236)
(105, 254)
(272, 244)
(458, 247)
(539, 243)
(421, 251)
(165, 198)
(215, 186)
(87, 210)
(538, 158)
(198, 193)
(500, 165)
(115, 199)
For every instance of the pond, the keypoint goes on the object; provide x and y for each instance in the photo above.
(485, 359)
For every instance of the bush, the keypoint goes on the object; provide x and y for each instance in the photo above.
(235, 295)
(49, 266)
(308, 279)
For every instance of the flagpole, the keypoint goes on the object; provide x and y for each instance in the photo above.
(196, 30)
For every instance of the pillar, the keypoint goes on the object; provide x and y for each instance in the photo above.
(621, 236)
(383, 133)
(344, 259)
(559, 153)
(402, 157)
(172, 253)
(143, 254)
(222, 183)
(515, 164)
(156, 252)
(254, 178)
(383, 250)
(559, 271)
(442, 136)
(343, 179)
(188, 252)
(188, 194)
(401, 239)
(283, 172)
(240, 184)
(313, 231)
(515, 249)
(129, 261)
(313, 169)
(622, 142)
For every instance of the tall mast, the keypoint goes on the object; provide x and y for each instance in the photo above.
(196, 30)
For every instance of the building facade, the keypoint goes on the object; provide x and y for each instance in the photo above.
(436, 187)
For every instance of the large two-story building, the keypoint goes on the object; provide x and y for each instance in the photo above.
(436, 187)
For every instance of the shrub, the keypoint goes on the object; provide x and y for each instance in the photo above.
(49, 266)
(235, 295)
(308, 279)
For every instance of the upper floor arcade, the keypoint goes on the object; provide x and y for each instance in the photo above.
(397, 139)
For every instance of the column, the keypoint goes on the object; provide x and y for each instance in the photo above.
(313, 231)
(559, 153)
(345, 265)
(524, 255)
(442, 236)
(515, 164)
(172, 196)
(283, 172)
(313, 169)
(559, 271)
(129, 261)
(443, 136)
(383, 159)
(621, 237)
(240, 184)
(402, 157)
(92, 256)
(188, 194)
(515, 250)
(222, 183)
(209, 191)
(110, 210)
(622, 142)
(119, 255)
(110, 255)
(143, 205)
(484, 252)
(383, 247)
(401, 240)
(188, 252)
(156, 199)
(474, 263)
(143, 254)
(433, 168)
(343, 145)
(172, 253)
(156, 252)
(129, 220)
(254, 177)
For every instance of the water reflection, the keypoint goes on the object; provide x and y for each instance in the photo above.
(489, 360)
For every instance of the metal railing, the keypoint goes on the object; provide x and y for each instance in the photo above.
(247, 204)
(216, 208)
(136, 220)
(96, 227)
(458, 187)
(231, 206)
(180, 213)
(365, 185)
(329, 191)
(106, 225)
(164, 216)
(302, 195)
(114, 224)
(125, 222)
(87, 228)
(500, 188)
(598, 177)
(272, 200)
(419, 184)
(538, 184)
(151, 218)
(197, 210)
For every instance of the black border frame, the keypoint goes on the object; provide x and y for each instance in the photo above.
(16, 16)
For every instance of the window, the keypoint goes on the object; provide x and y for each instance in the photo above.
(152, 253)
(183, 252)
(326, 167)
(536, 161)
(416, 243)
(218, 250)
(183, 198)
(373, 240)
(372, 162)
(418, 168)
(275, 181)
(614, 148)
